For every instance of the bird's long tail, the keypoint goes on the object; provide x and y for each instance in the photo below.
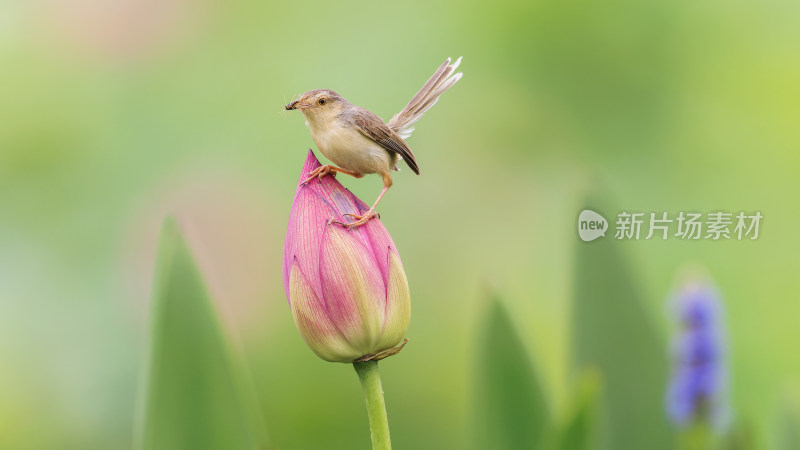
(442, 80)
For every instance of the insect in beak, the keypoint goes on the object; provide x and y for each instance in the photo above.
(292, 105)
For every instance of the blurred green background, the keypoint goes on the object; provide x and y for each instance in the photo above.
(115, 114)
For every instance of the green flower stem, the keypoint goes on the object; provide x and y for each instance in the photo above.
(376, 408)
(697, 436)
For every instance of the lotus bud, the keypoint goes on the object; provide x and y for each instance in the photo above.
(346, 287)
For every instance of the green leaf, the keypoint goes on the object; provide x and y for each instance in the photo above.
(193, 398)
(512, 412)
(580, 430)
(613, 331)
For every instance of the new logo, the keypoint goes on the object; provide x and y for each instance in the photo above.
(591, 225)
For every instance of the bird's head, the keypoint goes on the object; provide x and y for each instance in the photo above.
(318, 105)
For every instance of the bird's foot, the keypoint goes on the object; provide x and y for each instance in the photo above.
(320, 172)
(361, 220)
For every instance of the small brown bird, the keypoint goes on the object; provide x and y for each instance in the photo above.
(358, 141)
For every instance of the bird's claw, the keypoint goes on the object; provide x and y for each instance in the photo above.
(332, 221)
(371, 214)
(360, 220)
(320, 172)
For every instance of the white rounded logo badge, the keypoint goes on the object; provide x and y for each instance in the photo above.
(591, 225)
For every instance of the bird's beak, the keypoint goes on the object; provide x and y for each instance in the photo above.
(297, 104)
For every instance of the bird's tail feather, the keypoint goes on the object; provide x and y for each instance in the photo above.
(442, 80)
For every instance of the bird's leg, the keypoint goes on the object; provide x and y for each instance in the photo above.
(328, 169)
(364, 218)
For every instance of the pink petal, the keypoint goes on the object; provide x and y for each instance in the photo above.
(352, 287)
(315, 324)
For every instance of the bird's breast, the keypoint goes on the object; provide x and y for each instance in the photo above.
(351, 150)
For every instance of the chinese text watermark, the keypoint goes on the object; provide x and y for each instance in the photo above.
(715, 226)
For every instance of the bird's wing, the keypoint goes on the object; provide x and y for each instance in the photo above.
(442, 80)
(373, 127)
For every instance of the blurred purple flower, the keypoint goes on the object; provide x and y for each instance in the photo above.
(698, 388)
(347, 288)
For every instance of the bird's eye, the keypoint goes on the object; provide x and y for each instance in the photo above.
(321, 101)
